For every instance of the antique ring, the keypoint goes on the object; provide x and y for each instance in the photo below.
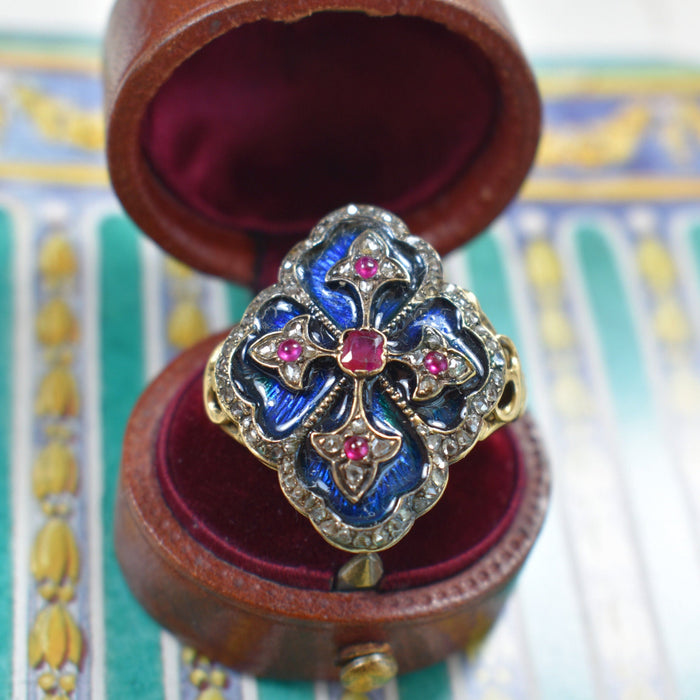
(361, 376)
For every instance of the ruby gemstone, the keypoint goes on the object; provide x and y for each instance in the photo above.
(366, 267)
(356, 448)
(289, 350)
(435, 362)
(362, 351)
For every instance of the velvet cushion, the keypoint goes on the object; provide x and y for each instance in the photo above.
(271, 126)
(233, 505)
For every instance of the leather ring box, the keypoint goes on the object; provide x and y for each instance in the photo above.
(232, 127)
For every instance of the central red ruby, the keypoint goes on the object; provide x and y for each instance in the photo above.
(362, 351)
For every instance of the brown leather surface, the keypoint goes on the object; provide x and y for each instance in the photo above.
(265, 627)
(148, 39)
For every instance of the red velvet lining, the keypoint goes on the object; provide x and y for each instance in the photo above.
(272, 125)
(232, 504)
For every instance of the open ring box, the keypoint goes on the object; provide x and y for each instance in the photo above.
(233, 126)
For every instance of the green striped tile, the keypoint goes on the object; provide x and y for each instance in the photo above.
(695, 245)
(655, 494)
(277, 690)
(489, 281)
(433, 683)
(561, 671)
(132, 638)
(238, 299)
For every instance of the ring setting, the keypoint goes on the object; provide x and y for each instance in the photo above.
(361, 376)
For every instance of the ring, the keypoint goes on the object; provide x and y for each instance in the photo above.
(360, 376)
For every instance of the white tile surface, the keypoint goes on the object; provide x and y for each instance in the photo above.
(665, 29)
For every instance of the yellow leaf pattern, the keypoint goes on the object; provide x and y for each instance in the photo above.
(58, 394)
(55, 553)
(55, 643)
(55, 638)
(186, 325)
(55, 471)
(56, 324)
(57, 260)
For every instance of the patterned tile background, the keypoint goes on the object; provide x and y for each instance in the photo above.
(595, 273)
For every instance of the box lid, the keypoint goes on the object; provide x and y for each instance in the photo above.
(233, 126)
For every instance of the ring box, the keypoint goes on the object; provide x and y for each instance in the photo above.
(231, 128)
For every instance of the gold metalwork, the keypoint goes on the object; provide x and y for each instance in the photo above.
(512, 402)
(368, 672)
(362, 571)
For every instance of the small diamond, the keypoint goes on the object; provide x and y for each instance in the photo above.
(420, 503)
(430, 491)
(404, 514)
(358, 425)
(438, 477)
(343, 536)
(381, 448)
(292, 373)
(379, 537)
(492, 393)
(353, 475)
(427, 385)
(450, 447)
(363, 541)
(472, 424)
(276, 453)
(433, 442)
(480, 405)
(329, 527)
(332, 444)
(318, 513)
(462, 438)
